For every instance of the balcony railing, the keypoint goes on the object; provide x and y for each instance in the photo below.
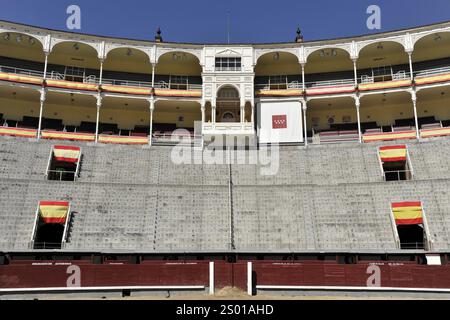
(25, 72)
(177, 86)
(330, 83)
(431, 72)
(279, 86)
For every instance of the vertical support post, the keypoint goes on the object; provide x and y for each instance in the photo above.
(242, 114)
(211, 277)
(153, 75)
(303, 78)
(213, 114)
(101, 72)
(355, 71)
(202, 109)
(46, 65)
(97, 121)
(414, 100)
(249, 278)
(305, 129)
(411, 65)
(358, 104)
(41, 111)
(152, 108)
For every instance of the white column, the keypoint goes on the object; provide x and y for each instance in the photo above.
(153, 74)
(97, 121)
(249, 278)
(414, 100)
(213, 115)
(46, 65)
(202, 109)
(211, 277)
(242, 114)
(303, 78)
(355, 71)
(101, 72)
(152, 109)
(411, 65)
(358, 104)
(41, 111)
(305, 129)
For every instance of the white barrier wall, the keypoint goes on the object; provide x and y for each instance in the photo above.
(280, 122)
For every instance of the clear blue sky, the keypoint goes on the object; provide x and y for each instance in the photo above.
(204, 21)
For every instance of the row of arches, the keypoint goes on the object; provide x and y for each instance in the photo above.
(334, 59)
(79, 54)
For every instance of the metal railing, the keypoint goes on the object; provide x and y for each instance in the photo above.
(26, 72)
(330, 83)
(412, 245)
(126, 83)
(279, 86)
(431, 72)
(177, 86)
(45, 245)
(59, 175)
(398, 175)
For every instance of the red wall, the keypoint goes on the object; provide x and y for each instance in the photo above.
(164, 273)
(316, 274)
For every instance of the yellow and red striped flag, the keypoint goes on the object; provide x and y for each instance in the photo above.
(66, 153)
(393, 153)
(53, 211)
(407, 213)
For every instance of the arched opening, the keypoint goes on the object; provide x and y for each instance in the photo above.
(128, 67)
(278, 71)
(178, 71)
(383, 61)
(329, 67)
(228, 105)
(431, 55)
(21, 53)
(431, 114)
(74, 61)
(208, 112)
(248, 111)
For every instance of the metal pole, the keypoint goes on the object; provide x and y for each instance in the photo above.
(41, 111)
(99, 104)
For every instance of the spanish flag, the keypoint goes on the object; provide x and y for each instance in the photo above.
(53, 211)
(407, 213)
(66, 153)
(393, 153)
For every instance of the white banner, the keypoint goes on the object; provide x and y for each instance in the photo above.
(280, 122)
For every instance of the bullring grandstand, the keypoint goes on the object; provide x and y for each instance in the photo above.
(156, 166)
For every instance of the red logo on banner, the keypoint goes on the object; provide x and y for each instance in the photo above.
(279, 122)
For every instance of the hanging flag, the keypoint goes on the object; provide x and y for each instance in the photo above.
(407, 213)
(66, 153)
(393, 153)
(53, 211)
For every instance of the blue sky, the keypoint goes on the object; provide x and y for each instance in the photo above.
(205, 21)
